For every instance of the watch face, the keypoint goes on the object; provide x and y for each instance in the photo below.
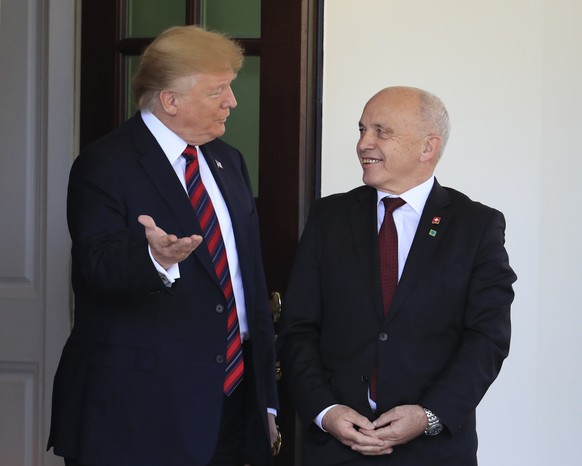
(434, 430)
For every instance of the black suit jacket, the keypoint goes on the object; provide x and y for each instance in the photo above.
(140, 378)
(442, 344)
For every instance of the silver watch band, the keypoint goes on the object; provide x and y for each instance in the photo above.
(435, 426)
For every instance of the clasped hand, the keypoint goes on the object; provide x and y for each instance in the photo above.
(395, 427)
(167, 249)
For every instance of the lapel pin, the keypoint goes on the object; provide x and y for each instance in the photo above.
(436, 220)
(218, 164)
(432, 232)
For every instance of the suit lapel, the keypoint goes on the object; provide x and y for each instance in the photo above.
(155, 164)
(232, 180)
(217, 165)
(363, 217)
(431, 229)
(227, 174)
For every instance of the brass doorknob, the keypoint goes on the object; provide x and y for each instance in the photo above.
(275, 303)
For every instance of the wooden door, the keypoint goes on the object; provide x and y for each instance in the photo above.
(289, 48)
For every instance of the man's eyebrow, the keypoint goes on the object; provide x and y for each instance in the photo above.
(377, 126)
(385, 128)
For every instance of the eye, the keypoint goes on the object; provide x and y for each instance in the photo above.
(216, 93)
(382, 133)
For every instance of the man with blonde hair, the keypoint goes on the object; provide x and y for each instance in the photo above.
(171, 357)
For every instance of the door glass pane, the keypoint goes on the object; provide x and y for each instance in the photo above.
(147, 18)
(238, 18)
(241, 19)
(131, 64)
(242, 126)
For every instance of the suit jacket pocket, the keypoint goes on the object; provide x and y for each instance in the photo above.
(117, 357)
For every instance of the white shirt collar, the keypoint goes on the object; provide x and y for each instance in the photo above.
(415, 197)
(172, 144)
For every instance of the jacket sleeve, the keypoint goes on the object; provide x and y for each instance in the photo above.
(300, 328)
(485, 333)
(110, 250)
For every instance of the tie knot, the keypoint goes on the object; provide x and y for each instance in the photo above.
(190, 153)
(393, 203)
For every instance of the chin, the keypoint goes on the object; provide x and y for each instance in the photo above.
(370, 180)
(220, 131)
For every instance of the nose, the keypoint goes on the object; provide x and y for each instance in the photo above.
(366, 141)
(230, 100)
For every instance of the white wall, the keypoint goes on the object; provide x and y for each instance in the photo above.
(509, 73)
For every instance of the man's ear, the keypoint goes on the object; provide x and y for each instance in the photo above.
(169, 102)
(431, 148)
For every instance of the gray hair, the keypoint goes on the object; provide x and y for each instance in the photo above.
(434, 114)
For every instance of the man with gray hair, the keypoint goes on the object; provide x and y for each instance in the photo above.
(171, 359)
(397, 312)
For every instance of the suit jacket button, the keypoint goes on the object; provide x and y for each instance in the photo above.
(219, 308)
(219, 358)
(383, 336)
(365, 379)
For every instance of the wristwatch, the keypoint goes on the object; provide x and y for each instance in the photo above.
(435, 425)
(276, 448)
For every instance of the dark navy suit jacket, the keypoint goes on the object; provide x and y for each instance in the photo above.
(140, 378)
(442, 344)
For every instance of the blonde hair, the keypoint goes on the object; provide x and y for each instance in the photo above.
(179, 52)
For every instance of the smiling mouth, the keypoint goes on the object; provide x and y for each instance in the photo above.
(369, 160)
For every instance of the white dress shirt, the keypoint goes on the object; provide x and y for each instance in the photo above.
(407, 217)
(173, 146)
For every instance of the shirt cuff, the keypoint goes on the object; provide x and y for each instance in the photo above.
(319, 418)
(168, 276)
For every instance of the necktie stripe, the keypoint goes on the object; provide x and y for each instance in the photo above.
(198, 198)
(233, 348)
(232, 322)
(234, 376)
(228, 289)
(214, 241)
(207, 217)
(202, 205)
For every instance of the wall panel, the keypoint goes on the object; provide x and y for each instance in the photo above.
(19, 419)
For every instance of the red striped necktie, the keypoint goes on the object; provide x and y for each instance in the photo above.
(204, 209)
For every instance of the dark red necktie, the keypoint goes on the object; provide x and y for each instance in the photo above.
(204, 209)
(388, 248)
